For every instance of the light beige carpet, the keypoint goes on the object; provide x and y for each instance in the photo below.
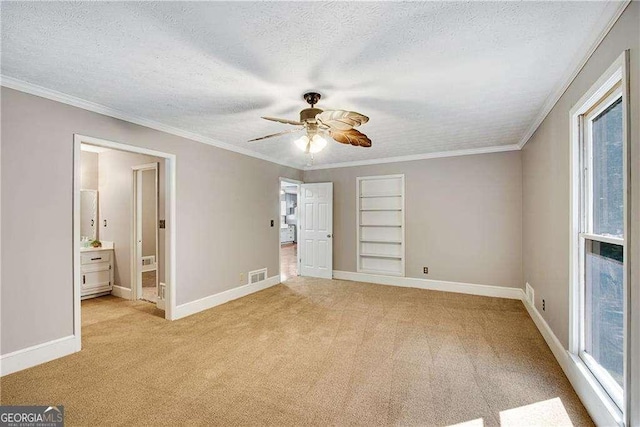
(309, 352)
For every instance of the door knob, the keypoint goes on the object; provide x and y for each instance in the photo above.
(329, 236)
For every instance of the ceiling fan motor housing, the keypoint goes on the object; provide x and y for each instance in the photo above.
(309, 114)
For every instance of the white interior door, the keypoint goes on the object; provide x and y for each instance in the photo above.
(316, 240)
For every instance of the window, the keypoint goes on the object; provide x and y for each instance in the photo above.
(600, 256)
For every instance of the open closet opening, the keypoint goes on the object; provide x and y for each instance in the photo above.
(289, 258)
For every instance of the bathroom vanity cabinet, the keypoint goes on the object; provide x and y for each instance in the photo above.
(96, 266)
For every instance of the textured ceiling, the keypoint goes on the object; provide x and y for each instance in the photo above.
(432, 76)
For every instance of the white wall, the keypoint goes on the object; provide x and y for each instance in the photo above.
(546, 184)
(463, 216)
(545, 160)
(88, 170)
(225, 201)
(115, 201)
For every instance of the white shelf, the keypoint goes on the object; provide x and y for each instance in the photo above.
(380, 221)
(367, 196)
(381, 256)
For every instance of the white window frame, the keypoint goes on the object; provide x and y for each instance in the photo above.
(606, 380)
(611, 85)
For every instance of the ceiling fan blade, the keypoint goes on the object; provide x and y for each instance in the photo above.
(275, 134)
(341, 120)
(285, 121)
(351, 136)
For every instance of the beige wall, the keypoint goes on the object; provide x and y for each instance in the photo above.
(224, 204)
(116, 193)
(545, 159)
(462, 215)
(149, 204)
(88, 170)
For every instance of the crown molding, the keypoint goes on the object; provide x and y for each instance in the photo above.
(54, 95)
(615, 10)
(607, 21)
(425, 156)
(63, 98)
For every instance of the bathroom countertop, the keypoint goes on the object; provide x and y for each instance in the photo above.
(105, 246)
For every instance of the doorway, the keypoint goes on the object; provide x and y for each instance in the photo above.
(306, 229)
(289, 228)
(165, 181)
(145, 234)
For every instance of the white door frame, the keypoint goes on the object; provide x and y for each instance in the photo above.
(136, 230)
(297, 183)
(170, 217)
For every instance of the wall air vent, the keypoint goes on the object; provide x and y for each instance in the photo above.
(162, 289)
(148, 260)
(148, 263)
(257, 276)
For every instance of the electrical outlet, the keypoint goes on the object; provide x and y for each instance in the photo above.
(425, 270)
(241, 278)
(544, 305)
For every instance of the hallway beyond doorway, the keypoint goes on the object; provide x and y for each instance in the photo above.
(288, 262)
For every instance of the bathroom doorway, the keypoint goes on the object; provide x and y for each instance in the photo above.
(289, 259)
(102, 261)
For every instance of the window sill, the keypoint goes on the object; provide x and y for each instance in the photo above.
(593, 395)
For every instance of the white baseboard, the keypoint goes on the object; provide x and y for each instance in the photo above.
(434, 285)
(593, 397)
(193, 307)
(38, 354)
(121, 292)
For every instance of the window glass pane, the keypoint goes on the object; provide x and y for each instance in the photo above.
(608, 209)
(604, 306)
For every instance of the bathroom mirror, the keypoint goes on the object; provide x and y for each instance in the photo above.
(89, 214)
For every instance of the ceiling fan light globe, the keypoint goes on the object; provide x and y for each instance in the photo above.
(317, 144)
(302, 142)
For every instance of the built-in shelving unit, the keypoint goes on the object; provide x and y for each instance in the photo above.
(380, 203)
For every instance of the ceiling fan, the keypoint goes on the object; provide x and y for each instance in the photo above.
(339, 124)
